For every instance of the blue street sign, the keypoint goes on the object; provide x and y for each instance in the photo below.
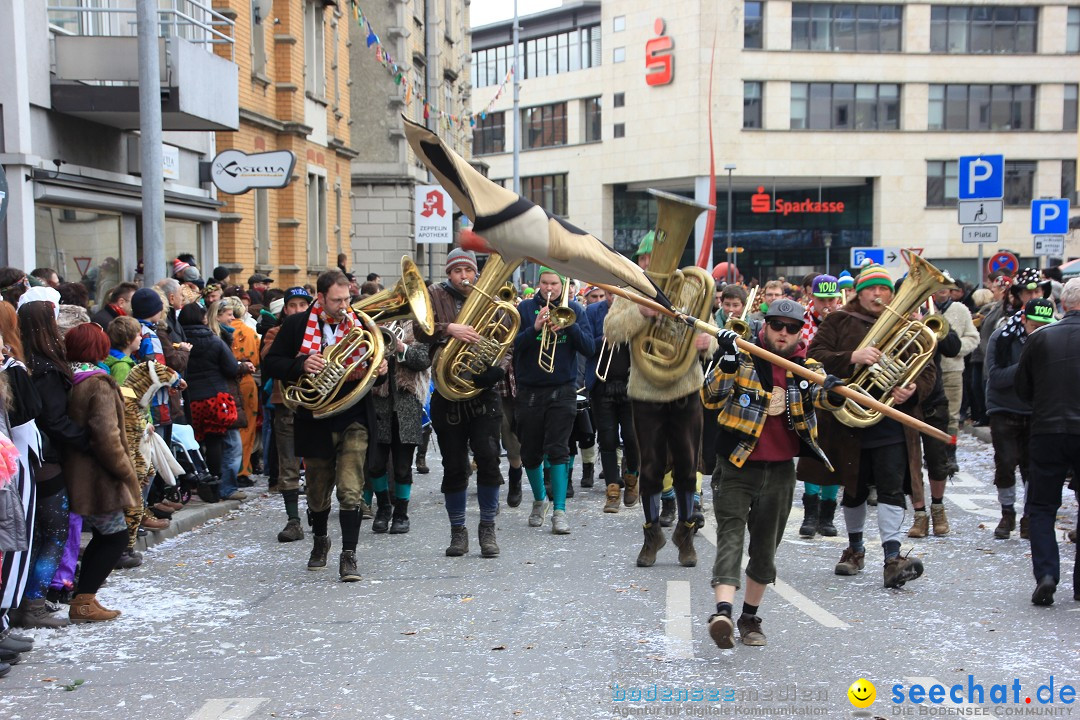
(859, 255)
(1050, 217)
(982, 177)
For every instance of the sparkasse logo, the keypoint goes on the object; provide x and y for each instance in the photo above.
(762, 202)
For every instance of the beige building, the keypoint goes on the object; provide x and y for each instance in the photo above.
(841, 124)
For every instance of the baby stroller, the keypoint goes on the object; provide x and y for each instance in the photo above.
(196, 478)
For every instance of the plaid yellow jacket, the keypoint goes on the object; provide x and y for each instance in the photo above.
(735, 389)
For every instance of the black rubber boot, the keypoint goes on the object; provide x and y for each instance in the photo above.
(826, 513)
(587, 475)
(810, 505)
(667, 511)
(399, 523)
(381, 522)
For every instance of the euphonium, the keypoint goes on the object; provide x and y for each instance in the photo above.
(321, 393)
(559, 318)
(906, 345)
(740, 325)
(490, 310)
(666, 351)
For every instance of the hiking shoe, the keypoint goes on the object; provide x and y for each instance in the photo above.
(486, 536)
(654, 540)
(513, 491)
(898, 570)
(12, 644)
(1025, 528)
(292, 531)
(559, 525)
(319, 551)
(399, 522)
(459, 541)
(667, 512)
(540, 509)
(683, 537)
(1006, 525)
(587, 475)
(129, 559)
(1044, 592)
(347, 566)
(750, 630)
(630, 489)
(937, 515)
(422, 467)
(920, 527)
(851, 562)
(826, 512)
(237, 495)
(611, 503)
(811, 505)
(39, 613)
(149, 522)
(722, 631)
(381, 523)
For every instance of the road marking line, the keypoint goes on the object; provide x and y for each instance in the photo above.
(967, 504)
(227, 709)
(928, 682)
(793, 596)
(677, 626)
(963, 479)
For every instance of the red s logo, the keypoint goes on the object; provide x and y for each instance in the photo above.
(659, 62)
(433, 203)
(760, 202)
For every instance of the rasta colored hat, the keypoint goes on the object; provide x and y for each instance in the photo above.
(645, 246)
(825, 286)
(785, 308)
(873, 274)
(1039, 310)
(460, 258)
(845, 281)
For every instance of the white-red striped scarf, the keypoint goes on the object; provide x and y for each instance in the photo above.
(313, 335)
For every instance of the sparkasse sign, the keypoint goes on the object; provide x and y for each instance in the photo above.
(762, 202)
(236, 172)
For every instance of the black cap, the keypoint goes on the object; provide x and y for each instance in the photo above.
(786, 308)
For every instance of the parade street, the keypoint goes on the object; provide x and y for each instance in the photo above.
(225, 622)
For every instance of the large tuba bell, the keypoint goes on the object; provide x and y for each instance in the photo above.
(321, 393)
(490, 310)
(906, 345)
(666, 352)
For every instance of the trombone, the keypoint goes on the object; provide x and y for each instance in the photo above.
(601, 375)
(559, 318)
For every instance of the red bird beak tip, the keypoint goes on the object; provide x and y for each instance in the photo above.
(473, 242)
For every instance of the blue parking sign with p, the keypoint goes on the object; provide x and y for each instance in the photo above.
(1050, 217)
(981, 177)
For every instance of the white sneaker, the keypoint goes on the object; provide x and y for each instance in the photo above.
(559, 525)
(540, 510)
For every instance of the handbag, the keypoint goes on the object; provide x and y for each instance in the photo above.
(241, 416)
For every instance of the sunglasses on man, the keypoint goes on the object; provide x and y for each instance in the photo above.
(793, 327)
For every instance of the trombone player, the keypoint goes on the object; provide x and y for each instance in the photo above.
(554, 330)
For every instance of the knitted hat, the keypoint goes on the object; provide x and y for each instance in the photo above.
(145, 303)
(845, 281)
(546, 269)
(645, 246)
(825, 286)
(179, 266)
(460, 258)
(221, 273)
(1039, 310)
(873, 274)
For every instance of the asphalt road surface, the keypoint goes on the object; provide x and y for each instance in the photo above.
(226, 623)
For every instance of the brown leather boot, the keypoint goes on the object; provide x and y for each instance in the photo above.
(654, 540)
(683, 537)
(630, 496)
(149, 522)
(941, 523)
(86, 609)
(1006, 525)
(920, 527)
(613, 493)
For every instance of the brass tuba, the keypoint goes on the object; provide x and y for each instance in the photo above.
(666, 352)
(321, 393)
(906, 345)
(490, 310)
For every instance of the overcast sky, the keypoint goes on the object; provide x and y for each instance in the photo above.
(483, 12)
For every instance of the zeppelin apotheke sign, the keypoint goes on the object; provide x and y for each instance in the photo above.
(235, 172)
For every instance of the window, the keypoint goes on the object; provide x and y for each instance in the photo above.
(1068, 180)
(316, 220)
(539, 57)
(1019, 182)
(618, 23)
(258, 40)
(314, 50)
(545, 126)
(753, 35)
(547, 191)
(489, 134)
(983, 30)
(1072, 31)
(981, 107)
(941, 183)
(618, 54)
(618, 99)
(618, 130)
(845, 106)
(1069, 114)
(592, 119)
(751, 115)
(262, 226)
(845, 28)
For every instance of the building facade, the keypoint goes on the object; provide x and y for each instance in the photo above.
(69, 143)
(837, 125)
(293, 95)
(425, 44)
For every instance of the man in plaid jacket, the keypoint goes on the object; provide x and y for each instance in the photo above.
(766, 419)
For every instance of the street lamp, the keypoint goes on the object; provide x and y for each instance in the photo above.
(731, 257)
(828, 244)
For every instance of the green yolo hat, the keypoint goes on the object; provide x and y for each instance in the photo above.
(645, 246)
(1039, 310)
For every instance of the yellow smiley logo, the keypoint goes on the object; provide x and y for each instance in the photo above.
(862, 693)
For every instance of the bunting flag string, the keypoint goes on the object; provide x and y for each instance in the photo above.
(399, 74)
